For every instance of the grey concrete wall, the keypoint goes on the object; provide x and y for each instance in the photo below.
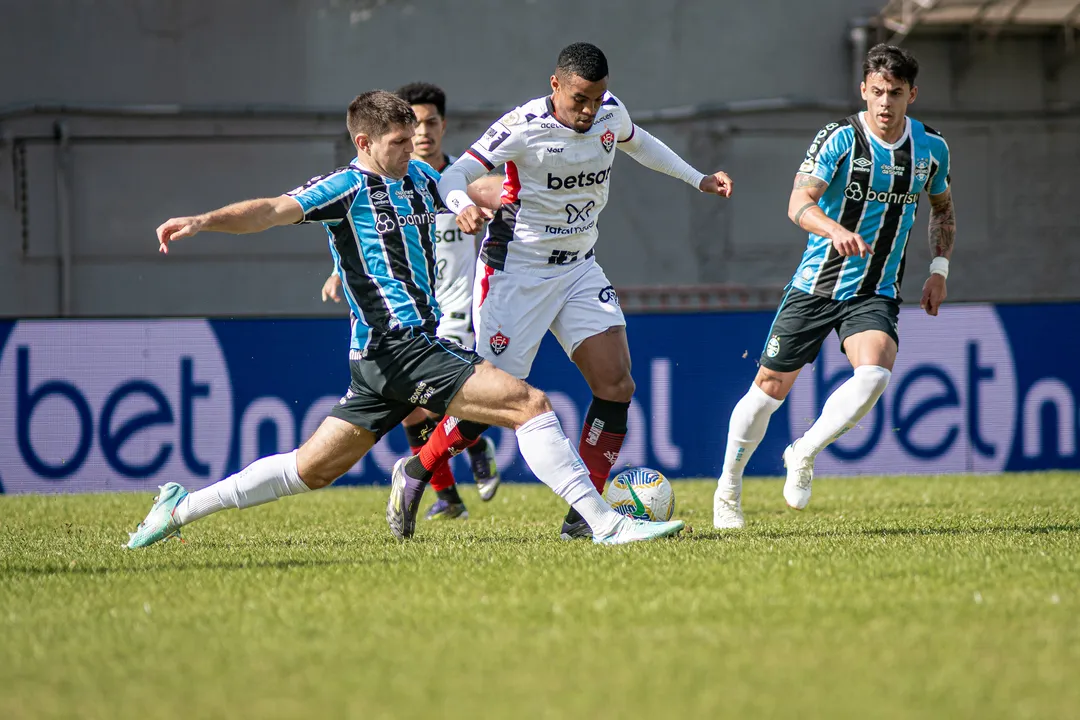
(1013, 165)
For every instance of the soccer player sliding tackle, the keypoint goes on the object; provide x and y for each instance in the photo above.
(455, 265)
(856, 194)
(379, 213)
(538, 271)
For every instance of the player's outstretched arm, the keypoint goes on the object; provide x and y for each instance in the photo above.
(804, 211)
(249, 216)
(454, 188)
(487, 191)
(942, 238)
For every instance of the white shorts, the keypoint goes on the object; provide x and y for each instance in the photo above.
(456, 324)
(514, 311)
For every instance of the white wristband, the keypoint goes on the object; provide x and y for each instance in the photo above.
(458, 200)
(940, 266)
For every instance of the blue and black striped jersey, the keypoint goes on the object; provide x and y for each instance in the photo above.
(874, 191)
(381, 237)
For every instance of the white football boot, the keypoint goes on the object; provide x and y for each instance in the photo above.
(727, 508)
(800, 477)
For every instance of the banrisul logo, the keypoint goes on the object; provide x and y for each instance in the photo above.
(94, 406)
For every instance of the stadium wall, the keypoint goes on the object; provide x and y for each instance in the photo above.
(199, 97)
(127, 405)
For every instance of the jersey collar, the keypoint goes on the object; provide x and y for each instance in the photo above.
(879, 141)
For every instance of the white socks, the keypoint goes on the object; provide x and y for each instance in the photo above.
(553, 459)
(845, 408)
(263, 481)
(749, 421)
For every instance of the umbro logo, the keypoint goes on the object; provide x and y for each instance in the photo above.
(379, 196)
(862, 164)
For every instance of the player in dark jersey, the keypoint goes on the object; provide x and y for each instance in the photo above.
(856, 194)
(379, 214)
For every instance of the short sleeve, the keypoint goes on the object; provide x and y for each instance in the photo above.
(501, 143)
(828, 149)
(327, 198)
(940, 178)
(430, 177)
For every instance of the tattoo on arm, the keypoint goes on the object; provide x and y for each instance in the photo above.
(809, 181)
(801, 211)
(942, 225)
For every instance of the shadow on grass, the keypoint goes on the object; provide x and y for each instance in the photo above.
(89, 570)
(711, 534)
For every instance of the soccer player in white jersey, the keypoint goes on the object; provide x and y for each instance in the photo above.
(538, 271)
(855, 193)
(455, 266)
(379, 213)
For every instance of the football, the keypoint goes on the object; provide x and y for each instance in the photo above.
(641, 493)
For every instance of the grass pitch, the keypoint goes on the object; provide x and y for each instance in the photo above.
(916, 597)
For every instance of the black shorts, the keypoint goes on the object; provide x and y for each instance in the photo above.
(803, 322)
(406, 370)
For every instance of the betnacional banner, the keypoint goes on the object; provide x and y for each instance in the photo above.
(104, 405)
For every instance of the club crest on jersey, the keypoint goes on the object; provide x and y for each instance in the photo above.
(922, 168)
(608, 140)
(773, 348)
(499, 343)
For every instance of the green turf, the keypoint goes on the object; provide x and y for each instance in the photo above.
(941, 597)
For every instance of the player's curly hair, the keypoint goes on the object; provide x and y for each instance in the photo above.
(584, 60)
(893, 61)
(377, 112)
(422, 93)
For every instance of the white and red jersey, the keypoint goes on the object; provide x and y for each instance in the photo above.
(455, 264)
(556, 185)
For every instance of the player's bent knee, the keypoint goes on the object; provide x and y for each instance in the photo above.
(875, 378)
(774, 384)
(536, 403)
(620, 389)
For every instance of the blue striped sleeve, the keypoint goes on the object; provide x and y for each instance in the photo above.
(828, 149)
(940, 177)
(327, 198)
(430, 177)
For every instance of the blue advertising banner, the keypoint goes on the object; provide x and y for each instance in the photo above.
(126, 405)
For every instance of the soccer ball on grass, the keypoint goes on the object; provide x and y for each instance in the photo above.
(641, 493)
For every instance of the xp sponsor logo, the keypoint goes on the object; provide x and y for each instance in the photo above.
(951, 404)
(575, 214)
(608, 295)
(499, 343)
(581, 180)
(139, 403)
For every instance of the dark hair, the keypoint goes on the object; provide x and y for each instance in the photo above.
(893, 61)
(421, 93)
(376, 112)
(584, 60)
